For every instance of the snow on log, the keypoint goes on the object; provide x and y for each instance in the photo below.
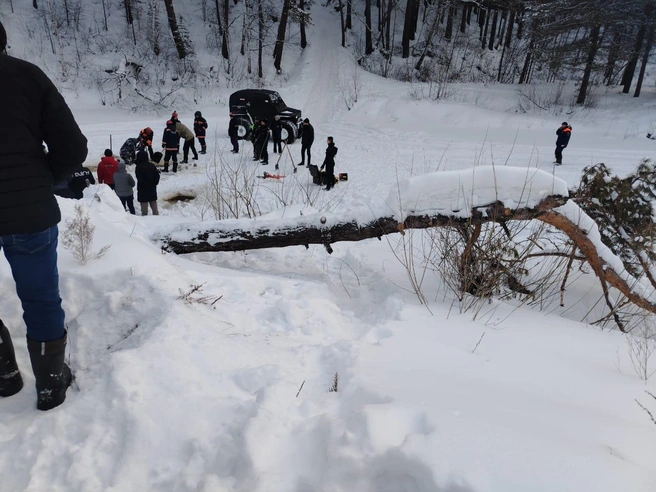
(476, 195)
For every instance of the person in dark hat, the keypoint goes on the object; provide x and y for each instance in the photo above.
(200, 129)
(34, 113)
(564, 133)
(307, 139)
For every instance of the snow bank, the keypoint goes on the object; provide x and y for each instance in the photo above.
(457, 192)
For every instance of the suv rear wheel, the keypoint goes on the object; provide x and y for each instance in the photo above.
(243, 128)
(289, 131)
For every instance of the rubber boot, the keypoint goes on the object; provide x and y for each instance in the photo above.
(11, 381)
(52, 375)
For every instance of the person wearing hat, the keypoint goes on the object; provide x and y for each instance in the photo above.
(262, 142)
(233, 133)
(564, 133)
(147, 181)
(276, 134)
(307, 139)
(34, 112)
(200, 129)
(106, 169)
(171, 146)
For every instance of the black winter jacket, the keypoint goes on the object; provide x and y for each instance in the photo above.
(147, 181)
(276, 130)
(329, 161)
(78, 181)
(200, 126)
(33, 112)
(171, 140)
(563, 136)
(307, 137)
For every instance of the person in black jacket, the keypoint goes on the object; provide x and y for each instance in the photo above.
(307, 139)
(34, 112)
(276, 135)
(171, 145)
(564, 133)
(200, 129)
(262, 142)
(82, 177)
(329, 163)
(147, 181)
(233, 133)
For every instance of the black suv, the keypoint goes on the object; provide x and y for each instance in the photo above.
(248, 104)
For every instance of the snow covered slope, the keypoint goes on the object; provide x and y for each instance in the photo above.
(230, 392)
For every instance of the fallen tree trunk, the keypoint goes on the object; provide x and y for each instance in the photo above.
(316, 229)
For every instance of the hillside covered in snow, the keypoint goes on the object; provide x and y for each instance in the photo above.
(292, 369)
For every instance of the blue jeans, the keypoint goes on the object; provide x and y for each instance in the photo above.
(33, 262)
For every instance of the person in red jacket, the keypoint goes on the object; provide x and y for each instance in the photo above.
(106, 169)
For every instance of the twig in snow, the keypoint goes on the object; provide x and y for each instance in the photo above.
(651, 415)
(299, 389)
(335, 385)
(478, 343)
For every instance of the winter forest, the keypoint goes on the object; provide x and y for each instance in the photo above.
(469, 306)
(146, 51)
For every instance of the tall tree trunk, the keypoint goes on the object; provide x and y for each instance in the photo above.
(629, 71)
(342, 23)
(645, 59)
(34, 4)
(487, 25)
(154, 25)
(225, 41)
(301, 5)
(592, 53)
(493, 30)
(613, 53)
(349, 8)
(175, 31)
(282, 31)
(129, 18)
(407, 28)
(260, 37)
(105, 15)
(369, 47)
(463, 19)
(510, 27)
(448, 32)
(428, 41)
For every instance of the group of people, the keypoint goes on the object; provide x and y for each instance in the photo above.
(259, 136)
(174, 132)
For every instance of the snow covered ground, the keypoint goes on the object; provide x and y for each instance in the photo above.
(232, 394)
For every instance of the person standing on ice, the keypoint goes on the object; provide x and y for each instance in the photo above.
(34, 113)
(106, 169)
(189, 139)
(233, 133)
(147, 181)
(276, 135)
(307, 139)
(200, 129)
(262, 142)
(171, 146)
(564, 133)
(329, 163)
(146, 136)
(123, 186)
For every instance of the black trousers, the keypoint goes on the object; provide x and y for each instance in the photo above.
(235, 143)
(559, 154)
(277, 145)
(330, 176)
(309, 155)
(189, 144)
(129, 202)
(201, 141)
(171, 154)
(262, 148)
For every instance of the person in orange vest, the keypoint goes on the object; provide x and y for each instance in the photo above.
(106, 169)
(564, 133)
(146, 140)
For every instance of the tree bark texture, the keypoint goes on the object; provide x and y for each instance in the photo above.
(645, 60)
(301, 5)
(592, 53)
(369, 46)
(173, 24)
(280, 39)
